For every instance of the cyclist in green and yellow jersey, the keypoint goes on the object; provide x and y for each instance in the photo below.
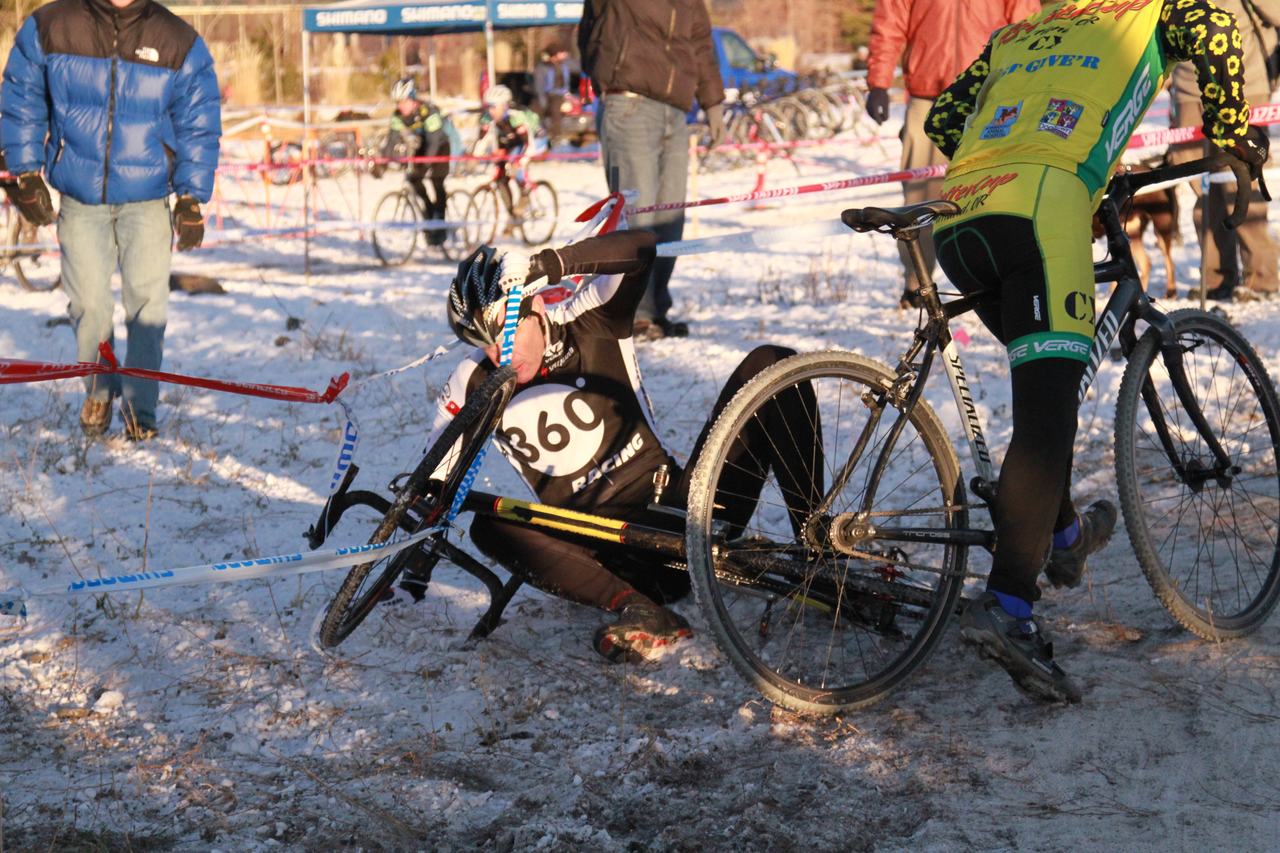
(1033, 129)
(424, 125)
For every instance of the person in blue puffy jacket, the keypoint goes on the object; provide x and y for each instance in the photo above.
(116, 104)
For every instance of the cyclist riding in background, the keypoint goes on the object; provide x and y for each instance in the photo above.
(514, 131)
(1033, 129)
(424, 125)
(580, 432)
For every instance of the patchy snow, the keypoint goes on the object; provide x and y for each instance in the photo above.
(200, 717)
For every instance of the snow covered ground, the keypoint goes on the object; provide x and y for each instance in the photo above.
(201, 718)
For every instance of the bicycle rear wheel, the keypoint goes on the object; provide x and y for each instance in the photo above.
(817, 626)
(429, 491)
(1207, 536)
(395, 231)
(33, 254)
(541, 210)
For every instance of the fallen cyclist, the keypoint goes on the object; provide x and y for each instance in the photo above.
(579, 431)
(1033, 129)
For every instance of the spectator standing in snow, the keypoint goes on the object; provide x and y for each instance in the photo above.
(1223, 251)
(649, 60)
(116, 102)
(552, 80)
(935, 40)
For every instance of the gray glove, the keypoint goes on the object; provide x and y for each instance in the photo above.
(715, 123)
(878, 105)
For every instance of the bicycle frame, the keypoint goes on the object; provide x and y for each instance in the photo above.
(1125, 308)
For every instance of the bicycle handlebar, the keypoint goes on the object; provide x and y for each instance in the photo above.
(1125, 185)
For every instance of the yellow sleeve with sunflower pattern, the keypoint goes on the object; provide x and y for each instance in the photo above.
(1199, 31)
(945, 123)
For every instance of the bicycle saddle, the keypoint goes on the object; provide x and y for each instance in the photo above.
(894, 219)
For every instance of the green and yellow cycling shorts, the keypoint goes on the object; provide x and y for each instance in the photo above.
(1024, 232)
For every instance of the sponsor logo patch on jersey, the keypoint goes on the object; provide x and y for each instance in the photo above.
(1061, 117)
(1003, 122)
(452, 408)
(147, 54)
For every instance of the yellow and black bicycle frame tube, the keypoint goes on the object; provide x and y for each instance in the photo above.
(573, 523)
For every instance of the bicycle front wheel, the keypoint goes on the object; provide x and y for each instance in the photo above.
(1206, 533)
(817, 621)
(541, 210)
(395, 231)
(33, 254)
(483, 215)
(429, 491)
(455, 245)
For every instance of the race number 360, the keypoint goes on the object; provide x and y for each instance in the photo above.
(554, 429)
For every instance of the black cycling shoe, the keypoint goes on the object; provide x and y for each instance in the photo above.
(911, 299)
(643, 628)
(1066, 565)
(1019, 647)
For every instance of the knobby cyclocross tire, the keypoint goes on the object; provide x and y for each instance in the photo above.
(469, 429)
(1207, 540)
(455, 246)
(542, 209)
(394, 236)
(813, 629)
(483, 215)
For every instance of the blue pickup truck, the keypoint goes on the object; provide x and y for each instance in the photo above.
(743, 68)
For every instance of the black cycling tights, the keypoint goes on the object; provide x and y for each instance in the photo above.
(601, 576)
(1033, 497)
(433, 204)
(1034, 494)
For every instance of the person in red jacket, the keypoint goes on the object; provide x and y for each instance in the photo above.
(934, 40)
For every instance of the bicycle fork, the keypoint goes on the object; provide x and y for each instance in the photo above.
(1127, 305)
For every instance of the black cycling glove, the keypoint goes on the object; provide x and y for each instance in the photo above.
(878, 105)
(1252, 149)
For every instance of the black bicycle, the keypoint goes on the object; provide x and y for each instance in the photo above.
(834, 616)
(1197, 428)
(398, 226)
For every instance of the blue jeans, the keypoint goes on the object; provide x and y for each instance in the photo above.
(95, 240)
(646, 148)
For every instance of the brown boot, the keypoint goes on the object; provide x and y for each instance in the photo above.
(95, 416)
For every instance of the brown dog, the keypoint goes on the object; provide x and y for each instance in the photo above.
(1159, 210)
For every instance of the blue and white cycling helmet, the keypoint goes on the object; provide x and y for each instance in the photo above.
(497, 96)
(404, 89)
(478, 294)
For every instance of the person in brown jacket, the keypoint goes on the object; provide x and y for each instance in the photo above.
(1224, 251)
(649, 60)
(935, 41)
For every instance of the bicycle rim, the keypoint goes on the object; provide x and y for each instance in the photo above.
(542, 208)
(455, 245)
(1208, 540)
(394, 236)
(483, 215)
(446, 462)
(813, 629)
(35, 262)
